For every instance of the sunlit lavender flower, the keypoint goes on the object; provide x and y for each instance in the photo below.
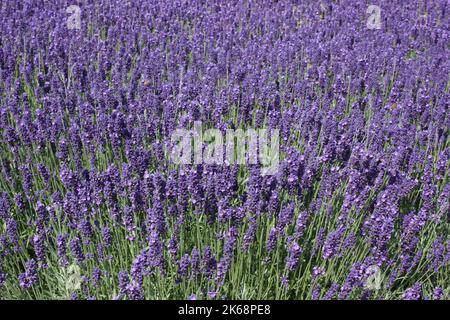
(195, 262)
(285, 282)
(61, 244)
(89, 117)
(183, 266)
(96, 276)
(134, 291)
(294, 254)
(77, 251)
(123, 282)
(271, 240)
(413, 293)
(316, 293)
(192, 297)
(209, 262)
(3, 277)
(332, 291)
(30, 276)
(318, 272)
(106, 235)
(226, 260)
(438, 294)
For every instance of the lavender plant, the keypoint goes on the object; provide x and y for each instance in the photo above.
(92, 93)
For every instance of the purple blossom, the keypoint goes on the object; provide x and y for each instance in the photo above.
(294, 254)
(76, 248)
(438, 294)
(318, 272)
(87, 121)
(30, 276)
(3, 278)
(413, 293)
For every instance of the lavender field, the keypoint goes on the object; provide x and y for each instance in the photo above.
(354, 98)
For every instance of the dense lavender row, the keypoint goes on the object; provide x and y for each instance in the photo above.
(92, 207)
